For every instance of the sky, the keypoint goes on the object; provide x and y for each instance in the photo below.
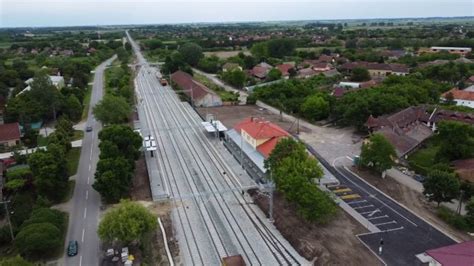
(38, 13)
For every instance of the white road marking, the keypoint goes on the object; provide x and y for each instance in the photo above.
(394, 229)
(392, 222)
(378, 217)
(349, 158)
(85, 212)
(88, 177)
(373, 196)
(83, 232)
(357, 201)
(362, 207)
(87, 194)
(80, 260)
(89, 167)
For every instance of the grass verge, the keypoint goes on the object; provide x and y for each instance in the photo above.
(72, 158)
(87, 100)
(455, 220)
(78, 134)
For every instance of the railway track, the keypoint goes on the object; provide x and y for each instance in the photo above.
(213, 225)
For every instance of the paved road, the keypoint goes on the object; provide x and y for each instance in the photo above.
(85, 203)
(211, 218)
(404, 234)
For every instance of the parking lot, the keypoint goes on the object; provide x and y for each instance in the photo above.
(373, 211)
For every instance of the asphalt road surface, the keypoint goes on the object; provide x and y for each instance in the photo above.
(402, 234)
(211, 218)
(85, 203)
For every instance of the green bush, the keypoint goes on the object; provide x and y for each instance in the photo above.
(19, 173)
(457, 221)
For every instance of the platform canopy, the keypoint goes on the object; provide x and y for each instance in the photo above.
(211, 126)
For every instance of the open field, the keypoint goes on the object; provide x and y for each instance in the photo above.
(226, 54)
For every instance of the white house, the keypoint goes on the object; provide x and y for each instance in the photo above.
(461, 97)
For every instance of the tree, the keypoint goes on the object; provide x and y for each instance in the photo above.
(46, 215)
(315, 108)
(377, 153)
(294, 173)
(235, 77)
(38, 240)
(360, 74)
(280, 47)
(260, 50)
(50, 173)
(441, 186)
(65, 126)
(15, 261)
(470, 212)
(127, 141)
(286, 147)
(274, 74)
(191, 53)
(209, 64)
(112, 110)
(457, 141)
(113, 178)
(73, 108)
(127, 222)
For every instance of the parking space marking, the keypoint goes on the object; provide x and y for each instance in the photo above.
(362, 207)
(392, 222)
(356, 201)
(364, 213)
(351, 196)
(378, 217)
(394, 229)
(341, 190)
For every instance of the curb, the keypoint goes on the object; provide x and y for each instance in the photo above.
(406, 208)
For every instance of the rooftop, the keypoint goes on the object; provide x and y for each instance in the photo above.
(461, 254)
(10, 131)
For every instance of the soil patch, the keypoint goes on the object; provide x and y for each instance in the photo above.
(331, 244)
(140, 183)
(411, 199)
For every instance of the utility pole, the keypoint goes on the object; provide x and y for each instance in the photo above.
(8, 218)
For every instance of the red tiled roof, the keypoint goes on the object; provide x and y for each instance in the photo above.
(9, 131)
(261, 129)
(376, 66)
(259, 72)
(267, 147)
(284, 69)
(460, 94)
(471, 79)
(461, 254)
(186, 82)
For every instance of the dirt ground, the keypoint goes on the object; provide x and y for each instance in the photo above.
(331, 244)
(231, 115)
(140, 183)
(411, 199)
(155, 251)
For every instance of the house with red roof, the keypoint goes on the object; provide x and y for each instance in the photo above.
(461, 97)
(285, 69)
(261, 70)
(201, 95)
(10, 135)
(461, 254)
(260, 134)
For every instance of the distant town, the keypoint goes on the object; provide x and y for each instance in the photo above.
(335, 142)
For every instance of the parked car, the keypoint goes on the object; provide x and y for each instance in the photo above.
(88, 129)
(72, 248)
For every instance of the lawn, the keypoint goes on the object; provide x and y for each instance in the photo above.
(72, 158)
(424, 158)
(78, 134)
(225, 95)
(87, 99)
